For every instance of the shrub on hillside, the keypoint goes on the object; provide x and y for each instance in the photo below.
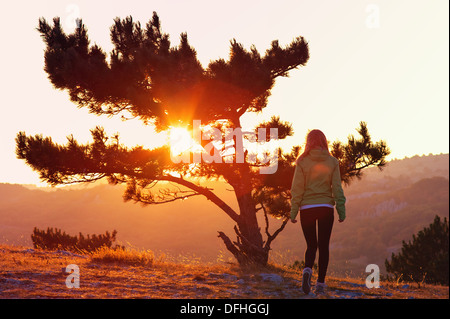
(56, 239)
(425, 259)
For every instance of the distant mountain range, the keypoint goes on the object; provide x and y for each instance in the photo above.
(383, 208)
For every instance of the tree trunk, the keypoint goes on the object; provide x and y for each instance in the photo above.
(249, 245)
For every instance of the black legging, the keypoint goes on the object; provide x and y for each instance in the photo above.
(325, 218)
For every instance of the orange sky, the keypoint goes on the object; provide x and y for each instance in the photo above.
(383, 62)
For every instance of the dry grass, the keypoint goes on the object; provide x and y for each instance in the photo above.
(130, 273)
(123, 256)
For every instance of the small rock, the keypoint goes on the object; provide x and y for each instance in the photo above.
(203, 289)
(230, 277)
(351, 294)
(199, 278)
(272, 278)
(351, 284)
(13, 281)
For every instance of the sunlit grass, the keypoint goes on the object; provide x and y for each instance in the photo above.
(145, 258)
(123, 256)
(134, 273)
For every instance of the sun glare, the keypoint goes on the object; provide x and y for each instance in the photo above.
(180, 140)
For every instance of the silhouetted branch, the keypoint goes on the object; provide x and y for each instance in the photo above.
(206, 192)
(271, 238)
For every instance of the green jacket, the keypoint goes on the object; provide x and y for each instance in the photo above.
(317, 180)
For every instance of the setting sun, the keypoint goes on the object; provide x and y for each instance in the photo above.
(180, 140)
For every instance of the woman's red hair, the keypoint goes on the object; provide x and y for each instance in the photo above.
(314, 140)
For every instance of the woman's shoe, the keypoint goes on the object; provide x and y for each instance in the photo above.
(306, 280)
(320, 288)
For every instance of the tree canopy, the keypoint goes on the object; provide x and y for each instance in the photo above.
(158, 83)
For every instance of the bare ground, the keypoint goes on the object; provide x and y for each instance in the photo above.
(32, 274)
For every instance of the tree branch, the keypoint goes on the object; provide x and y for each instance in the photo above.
(205, 192)
(271, 238)
(282, 72)
(232, 248)
(164, 200)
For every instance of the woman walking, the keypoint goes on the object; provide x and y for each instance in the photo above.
(316, 188)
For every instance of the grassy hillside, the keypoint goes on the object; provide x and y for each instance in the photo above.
(383, 209)
(29, 273)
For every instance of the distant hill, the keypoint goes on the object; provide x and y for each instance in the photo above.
(400, 173)
(186, 227)
(383, 208)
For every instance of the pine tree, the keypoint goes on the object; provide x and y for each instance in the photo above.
(425, 259)
(53, 239)
(146, 78)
